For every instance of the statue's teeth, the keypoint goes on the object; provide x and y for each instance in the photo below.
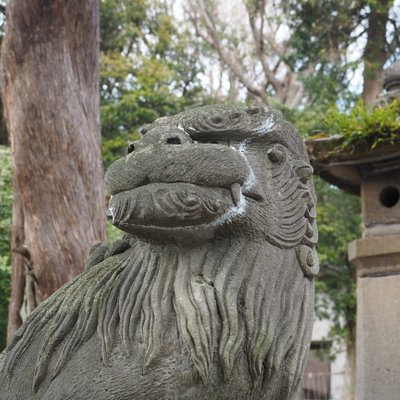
(235, 192)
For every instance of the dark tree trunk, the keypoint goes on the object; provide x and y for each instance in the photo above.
(375, 53)
(3, 130)
(50, 75)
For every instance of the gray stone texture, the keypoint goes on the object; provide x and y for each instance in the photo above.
(380, 199)
(378, 338)
(391, 85)
(377, 260)
(210, 293)
(376, 255)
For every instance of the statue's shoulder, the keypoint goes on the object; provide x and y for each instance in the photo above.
(61, 324)
(101, 251)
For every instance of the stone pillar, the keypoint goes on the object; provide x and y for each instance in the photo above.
(377, 259)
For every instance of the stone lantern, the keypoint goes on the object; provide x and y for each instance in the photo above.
(375, 176)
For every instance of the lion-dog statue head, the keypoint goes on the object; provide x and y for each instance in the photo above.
(209, 295)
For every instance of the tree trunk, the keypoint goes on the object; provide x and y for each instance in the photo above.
(375, 54)
(3, 130)
(49, 76)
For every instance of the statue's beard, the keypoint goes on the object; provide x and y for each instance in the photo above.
(228, 297)
(225, 296)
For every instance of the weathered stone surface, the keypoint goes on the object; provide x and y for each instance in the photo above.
(376, 255)
(377, 259)
(378, 339)
(391, 85)
(209, 295)
(380, 199)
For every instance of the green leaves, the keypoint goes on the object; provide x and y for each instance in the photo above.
(339, 223)
(365, 126)
(148, 69)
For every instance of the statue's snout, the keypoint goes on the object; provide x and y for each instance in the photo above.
(161, 137)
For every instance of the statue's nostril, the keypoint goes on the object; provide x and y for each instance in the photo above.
(131, 148)
(174, 140)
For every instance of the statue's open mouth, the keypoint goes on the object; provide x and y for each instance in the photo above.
(173, 205)
(163, 187)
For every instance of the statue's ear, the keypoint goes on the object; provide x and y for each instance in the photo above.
(117, 247)
(100, 251)
(96, 254)
(303, 170)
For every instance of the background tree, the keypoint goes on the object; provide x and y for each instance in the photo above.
(49, 76)
(5, 227)
(250, 40)
(149, 68)
(3, 130)
(300, 52)
(342, 39)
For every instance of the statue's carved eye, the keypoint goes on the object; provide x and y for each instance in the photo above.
(275, 155)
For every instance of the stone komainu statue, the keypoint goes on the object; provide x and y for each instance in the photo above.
(209, 295)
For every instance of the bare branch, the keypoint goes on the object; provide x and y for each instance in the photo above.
(259, 46)
(248, 60)
(229, 57)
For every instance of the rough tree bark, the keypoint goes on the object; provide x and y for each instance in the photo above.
(375, 52)
(49, 77)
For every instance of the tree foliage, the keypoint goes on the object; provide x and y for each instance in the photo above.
(365, 126)
(299, 52)
(339, 222)
(338, 39)
(148, 69)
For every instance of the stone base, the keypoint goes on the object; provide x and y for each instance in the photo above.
(376, 255)
(378, 338)
(377, 260)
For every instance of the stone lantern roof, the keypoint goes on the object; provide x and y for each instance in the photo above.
(348, 168)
